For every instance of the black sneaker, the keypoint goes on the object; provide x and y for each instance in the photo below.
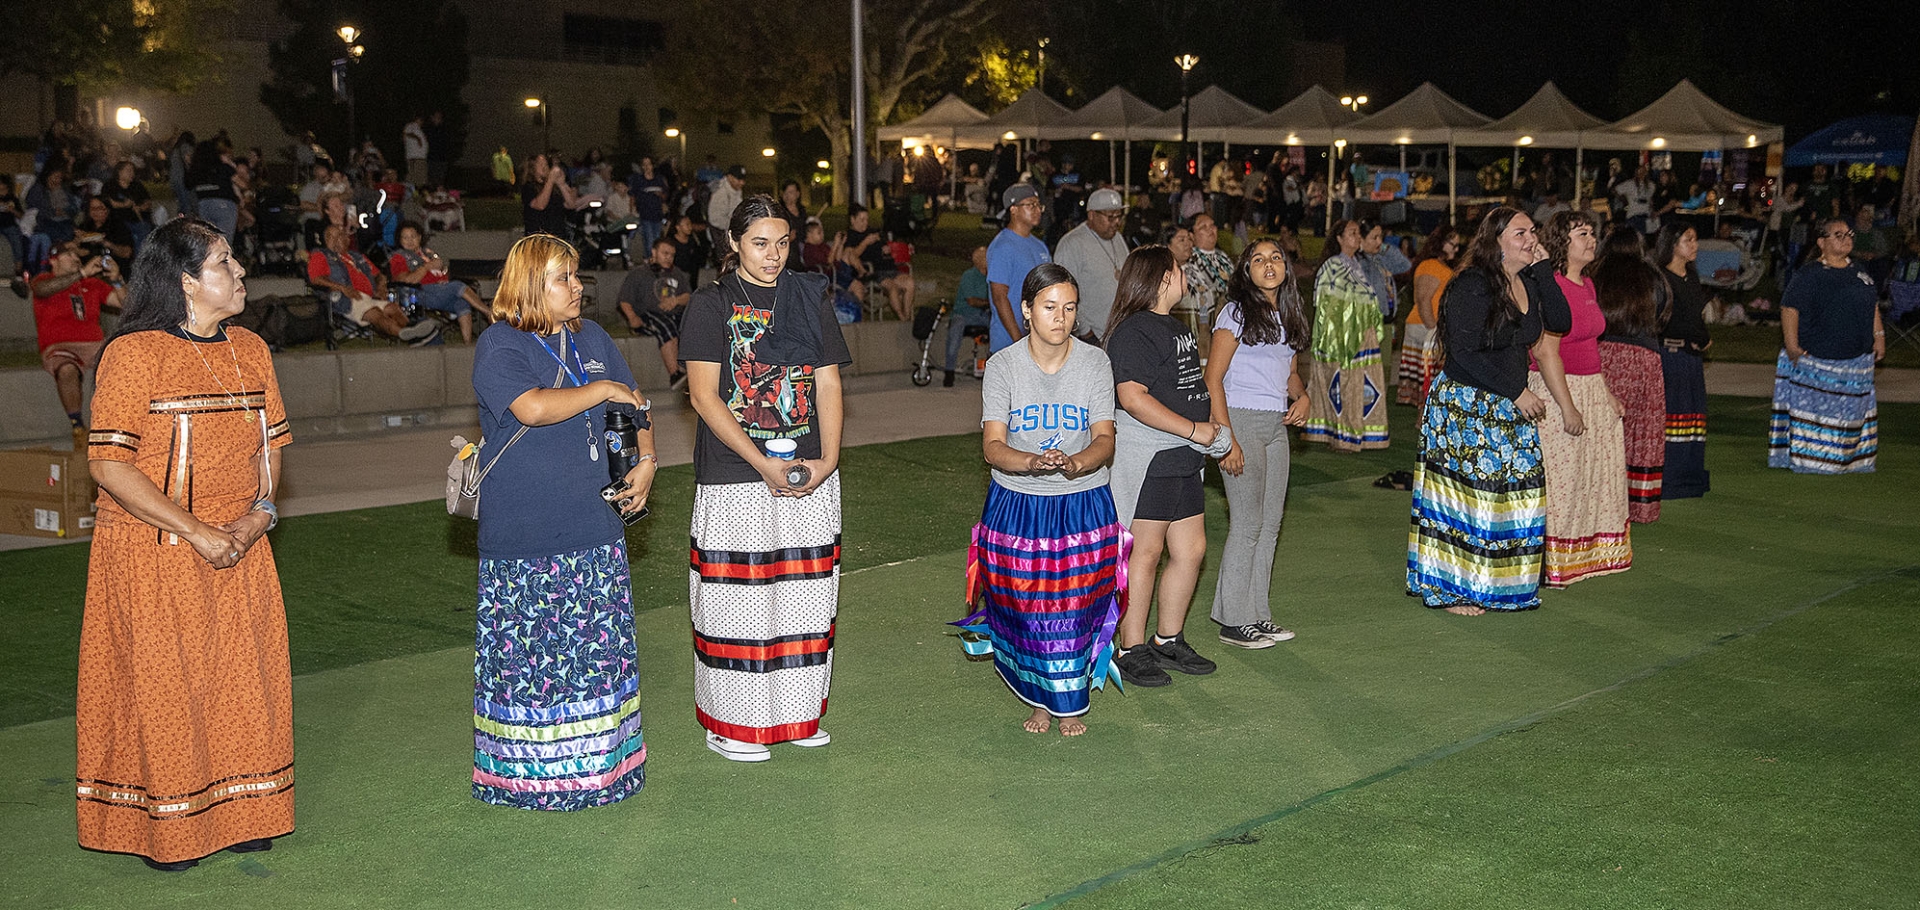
(1178, 655)
(1139, 667)
(947, 381)
(1272, 632)
(1248, 637)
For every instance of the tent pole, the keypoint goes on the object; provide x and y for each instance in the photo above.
(1113, 163)
(1513, 174)
(1333, 157)
(1579, 168)
(1129, 172)
(1403, 157)
(953, 170)
(1453, 178)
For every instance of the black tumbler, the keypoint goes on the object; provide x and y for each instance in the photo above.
(623, 453)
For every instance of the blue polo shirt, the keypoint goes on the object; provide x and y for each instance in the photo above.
(1009, 258)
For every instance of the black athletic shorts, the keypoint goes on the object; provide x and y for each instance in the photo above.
(1171, 498)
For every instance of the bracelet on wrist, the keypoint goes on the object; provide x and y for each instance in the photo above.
(267, 506)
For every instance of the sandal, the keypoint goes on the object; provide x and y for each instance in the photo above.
(1395, 480)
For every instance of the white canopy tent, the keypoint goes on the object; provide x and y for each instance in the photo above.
(1426, 116)
(1117, 116)
(1213, 114)
(1032, 116)
(1548, 120)
(950, 122)
(1682, 120)
(1316, 117)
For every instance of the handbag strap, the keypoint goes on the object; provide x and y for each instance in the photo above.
(464, 491)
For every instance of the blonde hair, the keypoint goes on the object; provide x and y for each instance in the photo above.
(521, 301)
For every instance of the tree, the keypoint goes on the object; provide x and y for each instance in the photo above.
(415, 63)
(75, 44)
(793, 58)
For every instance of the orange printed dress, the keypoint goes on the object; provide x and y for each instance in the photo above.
(185, 710)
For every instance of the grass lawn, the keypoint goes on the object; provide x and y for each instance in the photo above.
(1729, 724)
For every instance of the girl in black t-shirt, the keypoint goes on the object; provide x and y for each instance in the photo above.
(1163, 427)
(763, 354)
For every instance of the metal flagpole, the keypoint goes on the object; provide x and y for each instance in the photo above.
(1453, 178)
(859, 191)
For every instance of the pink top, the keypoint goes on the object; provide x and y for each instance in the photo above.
(1580, 348)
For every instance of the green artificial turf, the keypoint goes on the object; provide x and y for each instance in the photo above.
(1729, 724)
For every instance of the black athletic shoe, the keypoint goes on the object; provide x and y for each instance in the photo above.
(947, 381)
(1271, 632)
(180, 866)
(1178, 655)
(1248, 637)
(257, 845)
(1139, 667)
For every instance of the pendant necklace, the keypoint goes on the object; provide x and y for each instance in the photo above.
(233, 396)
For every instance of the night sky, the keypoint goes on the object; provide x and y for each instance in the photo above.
(1799, 64)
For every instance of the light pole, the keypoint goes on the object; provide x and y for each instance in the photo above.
(348, 36)
(674, 132)
(546, 121)
(1041, 81)
(1186, 63)
(1353, 102)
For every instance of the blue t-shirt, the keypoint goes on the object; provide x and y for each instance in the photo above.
(542, 497)
(1009, 258)
(1836, 309)
(649, 196)
(972, 284)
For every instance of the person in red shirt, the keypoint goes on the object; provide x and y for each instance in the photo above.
(413, 263)
(67, 301)
(356, 290)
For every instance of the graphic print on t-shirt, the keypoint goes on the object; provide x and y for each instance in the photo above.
(769, 401)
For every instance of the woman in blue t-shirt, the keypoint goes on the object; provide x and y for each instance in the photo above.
(556, 686)
(1825, 415)
(1164, 432)
(1254, 380)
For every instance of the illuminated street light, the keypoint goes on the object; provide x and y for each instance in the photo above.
(767, 153)
(1353, 101)
(1186, 63)
(546, 120)
(348, 33)
(674, 132)
(823, 164)
(127, 118)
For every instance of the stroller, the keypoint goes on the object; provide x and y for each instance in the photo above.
(278, 228)
(926, 327)
(1737, 264)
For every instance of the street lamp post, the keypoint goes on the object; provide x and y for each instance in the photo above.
(546, 121)
(1186, 63)
(674, 132)
(1353, 102)
(348, 36)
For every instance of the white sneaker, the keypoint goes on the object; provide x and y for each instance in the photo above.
(819, 738)
(735, 750)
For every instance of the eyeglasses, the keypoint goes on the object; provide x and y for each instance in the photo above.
(1838, 235)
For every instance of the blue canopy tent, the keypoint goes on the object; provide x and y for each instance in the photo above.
(1872, 139)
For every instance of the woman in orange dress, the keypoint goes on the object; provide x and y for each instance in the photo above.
(1419, 346)
(185, 714)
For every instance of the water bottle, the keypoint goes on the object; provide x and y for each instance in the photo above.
(787, 450)
(623, 453)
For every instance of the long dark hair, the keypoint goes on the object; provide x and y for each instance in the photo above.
(1139, 287)
(1264, 321)
(1629, 289)
(1483, 255)
(1043, 276)
(1557, 234)
(751, 209)
(1331, 250)
(1435, 245)
(1670, 234)
(155, 300)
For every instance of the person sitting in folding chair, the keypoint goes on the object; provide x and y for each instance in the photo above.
(357, 291)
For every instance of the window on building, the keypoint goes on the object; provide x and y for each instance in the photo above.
(723, 127)
(610, 39)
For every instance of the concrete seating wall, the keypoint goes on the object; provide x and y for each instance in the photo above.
(364, 391)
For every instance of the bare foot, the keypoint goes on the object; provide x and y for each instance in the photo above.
(1040, 721)
(1072, 726)
(1465, 610)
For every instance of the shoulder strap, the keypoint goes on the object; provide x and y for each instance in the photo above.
(482, 475)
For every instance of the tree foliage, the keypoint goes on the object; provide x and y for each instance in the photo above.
(793, 58)
(415, 63)
(108, 43)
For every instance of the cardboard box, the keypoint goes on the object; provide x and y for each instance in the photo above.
(46, 493)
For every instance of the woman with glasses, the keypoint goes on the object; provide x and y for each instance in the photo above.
(1825, 416)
